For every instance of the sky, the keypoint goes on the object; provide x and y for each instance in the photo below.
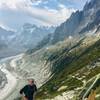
(15, 13)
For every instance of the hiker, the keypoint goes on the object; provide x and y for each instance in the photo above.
(28, 92)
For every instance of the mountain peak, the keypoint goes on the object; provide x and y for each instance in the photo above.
(80, 22)
(28, 25)
(92, 4)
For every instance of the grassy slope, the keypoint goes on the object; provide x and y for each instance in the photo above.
(67, 64)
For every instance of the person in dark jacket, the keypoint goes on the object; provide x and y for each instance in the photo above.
(29, 90)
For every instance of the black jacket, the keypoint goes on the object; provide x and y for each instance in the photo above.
(29, 91)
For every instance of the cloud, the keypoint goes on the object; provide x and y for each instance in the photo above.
(76, 4)
(14, 13)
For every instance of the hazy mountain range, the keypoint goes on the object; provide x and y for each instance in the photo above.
(27, 37)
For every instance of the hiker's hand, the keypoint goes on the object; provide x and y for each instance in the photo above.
(24, 98)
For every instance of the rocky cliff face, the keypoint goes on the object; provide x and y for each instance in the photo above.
(80, 22)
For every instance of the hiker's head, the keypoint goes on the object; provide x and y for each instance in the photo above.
(31, 81)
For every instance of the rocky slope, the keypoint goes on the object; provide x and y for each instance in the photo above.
(72, 68)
